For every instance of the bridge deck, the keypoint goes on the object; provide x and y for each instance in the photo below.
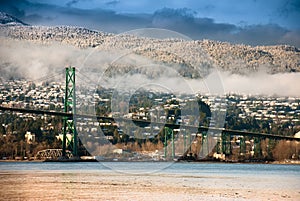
(194, 128)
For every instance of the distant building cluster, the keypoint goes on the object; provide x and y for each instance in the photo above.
(278, 109)
(50, 96)
(24, 94)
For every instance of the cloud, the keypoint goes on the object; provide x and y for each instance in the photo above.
(291, 37)
(70, 3)
(183, 20)
(14, 8)
(270, 34)
(260, 83)
(112, 3)
(289, 7)
(41, 60)
(46, 59)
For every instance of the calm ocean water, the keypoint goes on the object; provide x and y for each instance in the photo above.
(185, 169)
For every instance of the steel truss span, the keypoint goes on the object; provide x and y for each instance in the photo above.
(52, 154)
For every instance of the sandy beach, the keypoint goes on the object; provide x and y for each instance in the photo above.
(76, 185)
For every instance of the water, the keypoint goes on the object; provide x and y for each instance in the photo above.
(198, 169)
(158, 167)
(210, 181)
(285, 174)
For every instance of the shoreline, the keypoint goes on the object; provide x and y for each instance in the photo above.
(285, 162)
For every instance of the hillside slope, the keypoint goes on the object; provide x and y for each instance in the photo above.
(187, 55)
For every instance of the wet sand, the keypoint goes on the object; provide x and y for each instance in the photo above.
(43, 185)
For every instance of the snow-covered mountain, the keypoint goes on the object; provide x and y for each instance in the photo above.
(6, 19)
(186, 56)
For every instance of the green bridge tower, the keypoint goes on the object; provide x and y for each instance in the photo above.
(69, 124)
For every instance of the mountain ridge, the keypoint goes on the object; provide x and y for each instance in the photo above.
(208, 54)
(6, 19)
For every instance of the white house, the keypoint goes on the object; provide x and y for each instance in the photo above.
(30, 138)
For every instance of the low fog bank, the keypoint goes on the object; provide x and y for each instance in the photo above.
(261, 83)
(34, 61)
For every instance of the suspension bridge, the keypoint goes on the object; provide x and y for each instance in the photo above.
(70, 146)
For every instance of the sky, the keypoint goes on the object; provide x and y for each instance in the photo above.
(246, 12)
(253, 22)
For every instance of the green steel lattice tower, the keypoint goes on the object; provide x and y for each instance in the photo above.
(69, 125)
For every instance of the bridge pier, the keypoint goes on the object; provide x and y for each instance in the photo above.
(257, 147)
(226, 143)
(242, 146)
(204, 145)
(169, 133)
(184, 142)
(271, 145)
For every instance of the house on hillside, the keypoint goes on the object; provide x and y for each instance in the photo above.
(30, 138)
